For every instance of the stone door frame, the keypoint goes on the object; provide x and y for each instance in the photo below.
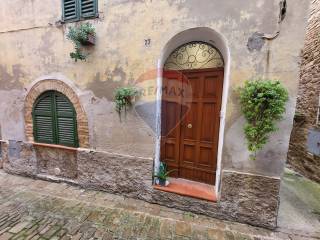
(210, 36)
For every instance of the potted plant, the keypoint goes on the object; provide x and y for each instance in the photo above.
(162, 175)
(81, 35)
(124, 97)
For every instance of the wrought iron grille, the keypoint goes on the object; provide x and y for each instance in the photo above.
(194, 55)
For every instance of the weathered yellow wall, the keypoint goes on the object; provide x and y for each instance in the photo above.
(34, 45)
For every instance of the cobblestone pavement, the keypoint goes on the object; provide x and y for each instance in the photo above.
(36, 209)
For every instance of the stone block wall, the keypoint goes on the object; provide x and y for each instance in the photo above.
(250, 198)
(19, 158)
(307, 101)
(246, 198)
(115, 173)
(53, 161)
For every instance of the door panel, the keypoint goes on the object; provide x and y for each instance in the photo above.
(170, 129)
(208, 123)
(191, 117)
(190, 124)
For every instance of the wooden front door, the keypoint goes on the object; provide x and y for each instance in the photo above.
(191, 105)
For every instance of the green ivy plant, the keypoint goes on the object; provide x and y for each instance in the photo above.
(79, 35)
(262, 104)
(124, 97)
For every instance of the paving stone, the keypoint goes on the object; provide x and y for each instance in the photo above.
(183, 229)
(107, 236)
(99, 234)
(51, 232)
(77, 236)
(166, 229)
(228, 235)
(215, 234)
(6, 236)
(89, 233)
(96, 216)
(5, 229)
(17, 228)
(35, 237)
(26, 213)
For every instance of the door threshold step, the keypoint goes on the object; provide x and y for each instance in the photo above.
(190, 189)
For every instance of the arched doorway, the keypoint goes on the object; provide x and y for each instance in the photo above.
(192, 91)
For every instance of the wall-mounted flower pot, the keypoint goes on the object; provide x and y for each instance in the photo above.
(90, 41)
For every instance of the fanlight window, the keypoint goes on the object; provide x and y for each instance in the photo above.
(194, 55)
(55, 120)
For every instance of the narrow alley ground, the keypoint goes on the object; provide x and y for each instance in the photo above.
(36, 209)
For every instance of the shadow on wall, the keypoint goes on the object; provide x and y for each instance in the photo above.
(11, 80)
(104, 84)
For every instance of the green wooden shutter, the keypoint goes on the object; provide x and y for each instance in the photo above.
(65, 121)
(70, 10)
(55, 120)
(88, 8)
(43, 119)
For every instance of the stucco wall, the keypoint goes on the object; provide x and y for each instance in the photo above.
(34, 45)
(308, 101)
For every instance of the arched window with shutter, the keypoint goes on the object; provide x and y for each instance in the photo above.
(55, 120)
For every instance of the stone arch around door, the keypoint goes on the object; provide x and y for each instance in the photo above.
(190, 111)
(218, 42)
(56, 85)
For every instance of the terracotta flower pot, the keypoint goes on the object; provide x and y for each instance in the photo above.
(91, 40)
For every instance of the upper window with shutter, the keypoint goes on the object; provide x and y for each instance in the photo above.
(74, 10)
(55, 120)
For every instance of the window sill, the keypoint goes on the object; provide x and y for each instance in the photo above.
(54, 146)
(189, 189)
(62, 22)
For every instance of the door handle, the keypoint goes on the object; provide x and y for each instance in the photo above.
(189, 125)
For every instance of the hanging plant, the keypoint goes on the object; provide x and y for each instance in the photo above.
(81, 35)
(124, 97)
(262, 104)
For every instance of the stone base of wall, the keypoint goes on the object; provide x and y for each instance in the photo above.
(250, 198)
(245, 197)
(53, 161)
(19, 158)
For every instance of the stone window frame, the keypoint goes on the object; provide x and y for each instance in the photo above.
(59, 86)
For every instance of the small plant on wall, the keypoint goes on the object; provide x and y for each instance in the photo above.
(124, 97)
(262, 103)
(81, 35)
